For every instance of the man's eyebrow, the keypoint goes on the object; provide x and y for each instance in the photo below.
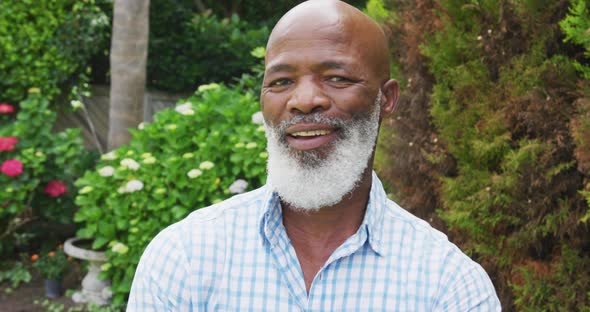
(280, 68)
(333, 65)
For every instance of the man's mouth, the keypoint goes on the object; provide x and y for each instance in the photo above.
(310, 133)
(309, 137)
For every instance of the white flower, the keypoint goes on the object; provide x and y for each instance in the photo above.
(109, 156)
(76, 104)
(133, 186)
(239, 186)
(185, 109)
(257, 118)
(206, 165)
(106, 171)
(120, 248)
(194, 173)
(141, 126)
(130, 163)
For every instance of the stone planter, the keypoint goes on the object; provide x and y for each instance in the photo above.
(52, 288)
(94, 290)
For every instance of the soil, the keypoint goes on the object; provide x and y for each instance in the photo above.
(23, 298)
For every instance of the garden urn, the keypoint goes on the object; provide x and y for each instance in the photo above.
(94, 290)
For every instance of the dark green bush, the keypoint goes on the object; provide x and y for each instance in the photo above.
(186, 50)
(189, 47)
(46, 44)
(259, 10)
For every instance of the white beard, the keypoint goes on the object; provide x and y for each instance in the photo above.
(310, 180)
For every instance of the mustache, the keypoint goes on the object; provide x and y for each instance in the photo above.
(316, 118)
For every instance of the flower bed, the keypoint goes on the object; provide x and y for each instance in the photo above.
(37, 170)
(207, 149)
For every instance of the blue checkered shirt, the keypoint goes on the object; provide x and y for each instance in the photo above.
(236, 256)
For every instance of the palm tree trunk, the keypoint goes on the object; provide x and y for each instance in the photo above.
(129, 47)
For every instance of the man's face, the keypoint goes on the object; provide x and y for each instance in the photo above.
(322, 72)
(321, 103)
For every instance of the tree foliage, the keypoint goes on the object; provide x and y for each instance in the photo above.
(46, 44)
(495, 118)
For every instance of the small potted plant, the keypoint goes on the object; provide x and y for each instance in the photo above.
(52, 266)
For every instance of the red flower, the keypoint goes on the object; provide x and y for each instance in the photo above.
(6, 108)
(12, 167)
(55, 188)
(7, 143)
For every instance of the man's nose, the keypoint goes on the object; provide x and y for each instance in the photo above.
(307, 97)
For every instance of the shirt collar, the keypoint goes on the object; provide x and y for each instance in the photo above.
(271, 216)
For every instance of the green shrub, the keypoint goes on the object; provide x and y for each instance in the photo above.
(38, 168)
(46, 43)
(188, 158)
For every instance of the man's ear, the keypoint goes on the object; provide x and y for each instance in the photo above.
(391, 94)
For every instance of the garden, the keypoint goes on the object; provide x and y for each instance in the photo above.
(490, 142)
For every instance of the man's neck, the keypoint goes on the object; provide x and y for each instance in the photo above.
(315, 235)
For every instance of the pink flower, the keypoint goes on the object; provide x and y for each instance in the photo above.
(7, 143)
(12, 167)
(6, 108)
(55, 188)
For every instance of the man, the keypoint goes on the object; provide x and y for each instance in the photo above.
(321, 235)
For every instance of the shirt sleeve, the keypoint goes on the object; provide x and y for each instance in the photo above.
(467, 288)
(161, 278)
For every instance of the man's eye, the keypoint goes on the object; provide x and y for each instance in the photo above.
(337, 79)
(279, 82)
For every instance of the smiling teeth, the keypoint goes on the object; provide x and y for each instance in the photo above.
(310, 133)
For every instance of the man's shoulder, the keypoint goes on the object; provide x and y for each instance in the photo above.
(396, 216)
(425, 250)
(406, 233)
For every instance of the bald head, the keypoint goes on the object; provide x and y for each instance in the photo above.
(333, 21)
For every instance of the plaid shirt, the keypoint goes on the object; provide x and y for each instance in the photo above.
(236, 256)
